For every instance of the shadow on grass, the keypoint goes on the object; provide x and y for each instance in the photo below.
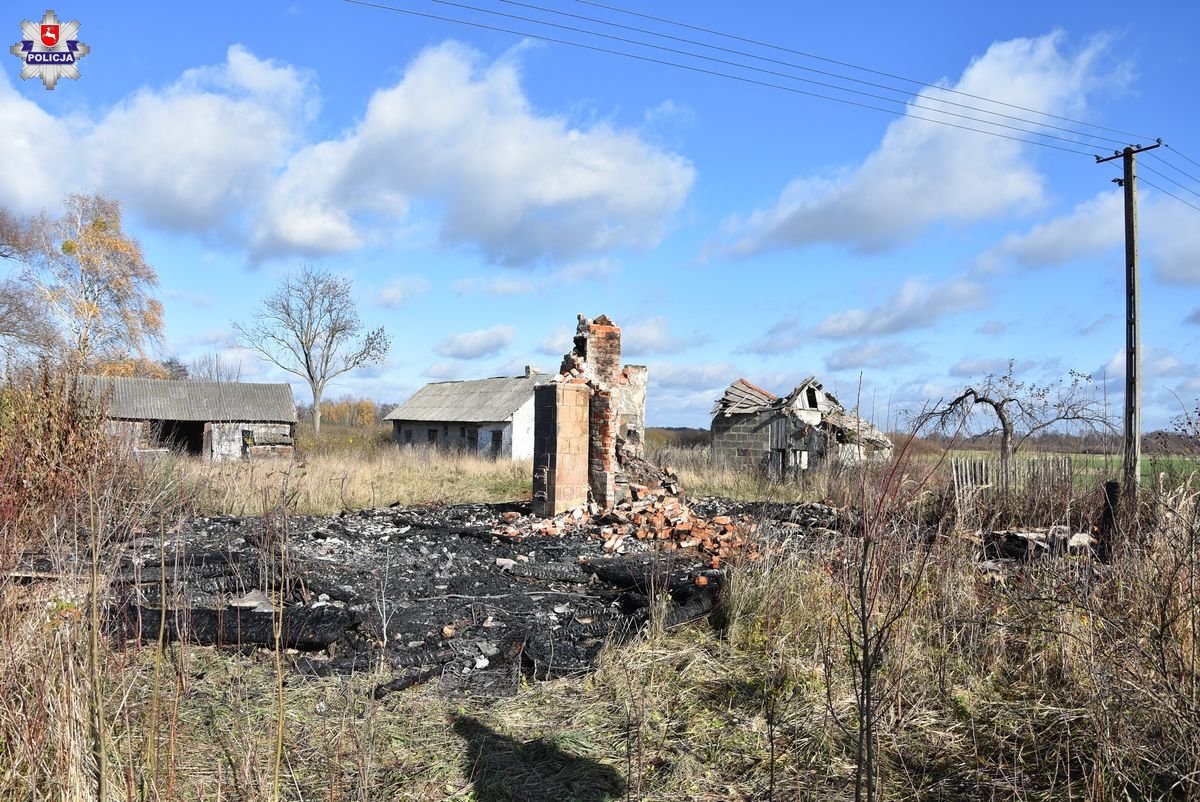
(504, 769)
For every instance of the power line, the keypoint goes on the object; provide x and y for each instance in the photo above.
(856, 67)
(1173, 167)
(1182, 155)
(717, 73)
(793, 65)
(1168, 194)
(776, 73)
(1172, 180)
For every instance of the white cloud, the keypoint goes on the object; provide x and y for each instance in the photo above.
(1169, 238)
(185, 156)
(872, 355)
(401, 290)
(787, 335)
(500, 285)
(653, 336)
(558, 343)
(519, 185)
(218, 153)
(1157, 363)
(917, 305)
(979, 367)
(586, 270)
(993, 327)
(923, 173)
(40, 164)
(707, 376)
(1091, 228)
(476, 344)
(591, 270)
(200, 301)
(444, 371)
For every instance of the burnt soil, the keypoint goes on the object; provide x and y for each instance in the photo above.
(477, 594)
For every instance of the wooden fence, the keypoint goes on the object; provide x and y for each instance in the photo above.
(974, 477)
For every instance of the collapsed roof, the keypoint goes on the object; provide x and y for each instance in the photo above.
(807, 402)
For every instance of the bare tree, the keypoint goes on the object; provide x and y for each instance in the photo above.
(309, 327)
(214, 367)
(1023, 409)
(94, 280)
(24, 326)
(25, 329)
(15, 241)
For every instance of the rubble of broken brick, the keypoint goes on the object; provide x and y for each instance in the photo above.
(477, 595)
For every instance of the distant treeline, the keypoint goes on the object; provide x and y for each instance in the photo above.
(359, 413)
(657, 436)
(1157, 442)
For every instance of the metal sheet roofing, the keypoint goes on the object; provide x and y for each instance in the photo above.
(162, 399)
(742, 397)
(477, 401)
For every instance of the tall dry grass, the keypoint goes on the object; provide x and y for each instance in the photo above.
(67, 493)
(324, 483)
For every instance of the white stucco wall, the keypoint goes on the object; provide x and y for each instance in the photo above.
(522, 431)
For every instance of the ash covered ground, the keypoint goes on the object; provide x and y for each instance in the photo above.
(477, 594)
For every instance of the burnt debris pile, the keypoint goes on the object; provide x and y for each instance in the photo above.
(477, 594)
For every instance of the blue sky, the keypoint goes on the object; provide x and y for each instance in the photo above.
(482, 188)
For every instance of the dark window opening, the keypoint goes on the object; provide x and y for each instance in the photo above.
(497, 442)
(180, 435)
(812, 397)
(462, 431)
(408, 435)
(433, 435)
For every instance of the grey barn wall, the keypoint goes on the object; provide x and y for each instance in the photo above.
(742, 440)
(228, 441)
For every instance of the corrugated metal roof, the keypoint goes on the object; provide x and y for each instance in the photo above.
(477, 401)
(741, 397)
(162, 399)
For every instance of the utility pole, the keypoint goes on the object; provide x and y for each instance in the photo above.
(1132, 465)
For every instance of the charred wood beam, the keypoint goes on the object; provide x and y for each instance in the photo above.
(303, 628)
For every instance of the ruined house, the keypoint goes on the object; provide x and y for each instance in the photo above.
(753, 428)
(491, 417)
(215, 420)
(589, 421)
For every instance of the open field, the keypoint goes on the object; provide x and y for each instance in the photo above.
(1063, 678)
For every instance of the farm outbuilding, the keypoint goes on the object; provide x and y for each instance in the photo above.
(216, 420)
(490, 417)
(754, 428)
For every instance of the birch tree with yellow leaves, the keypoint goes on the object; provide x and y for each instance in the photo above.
(95, 282)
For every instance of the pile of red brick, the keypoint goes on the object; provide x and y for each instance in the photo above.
(652, 518)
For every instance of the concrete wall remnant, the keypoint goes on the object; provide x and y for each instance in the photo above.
(560, 437)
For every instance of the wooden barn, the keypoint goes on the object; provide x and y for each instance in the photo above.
(754, 428)
(215, 420)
